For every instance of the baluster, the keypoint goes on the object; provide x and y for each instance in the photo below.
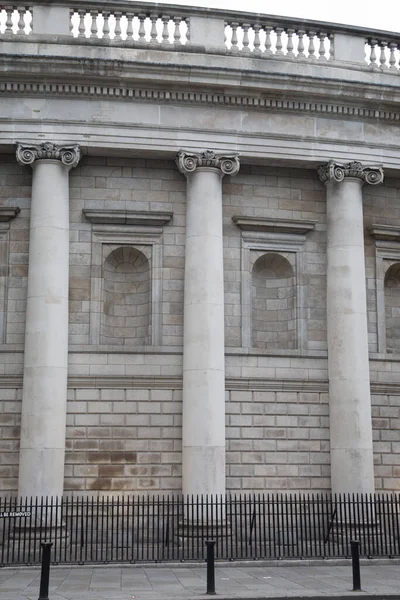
(117, 30)
(234, 40)
(311, 47)
(322, 49)
(153, 32)
(392, 59)
(177, 31)
(71, 25)
(332, 46)
(21, 21)
(373, 57)
(382, 58)
(165, 31)
(106, 26)
(187, 30)
(257, 42)
(268, 43)
(300, 44)
(290, 53)
(94, 32)
(279, 45)
(81, 27)
(129, 25)
(246, 41)
(9, 23)
(142, 30)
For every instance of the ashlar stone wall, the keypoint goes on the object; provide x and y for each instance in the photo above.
(123, 437)
(277, 441)
(124, 440)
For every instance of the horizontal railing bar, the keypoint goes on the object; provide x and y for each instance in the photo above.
(245, 526)
(231, 15)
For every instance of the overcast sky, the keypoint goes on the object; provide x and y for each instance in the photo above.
(364, 13)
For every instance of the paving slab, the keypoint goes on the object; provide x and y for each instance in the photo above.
(188, 582)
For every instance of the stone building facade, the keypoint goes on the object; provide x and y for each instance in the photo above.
(200, 253)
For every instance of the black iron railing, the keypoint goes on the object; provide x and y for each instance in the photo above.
(122, 529)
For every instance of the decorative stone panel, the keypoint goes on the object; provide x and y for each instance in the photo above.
(126, 231)
(387, 281)
(284, 238)
(6, 215)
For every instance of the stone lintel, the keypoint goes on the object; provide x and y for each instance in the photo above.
(127, 217)
(299, 226)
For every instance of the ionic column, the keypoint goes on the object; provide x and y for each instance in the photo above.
(348, 366)
(44, 397)
(203, 435)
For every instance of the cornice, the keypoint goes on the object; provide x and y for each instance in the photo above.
(386, 233)
(318, 81)
(195, 97)
(299, 226)
(127, 217)
(7, 213)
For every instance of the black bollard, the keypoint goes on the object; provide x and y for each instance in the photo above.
(210, 568)
(355, 563)
(45, 572)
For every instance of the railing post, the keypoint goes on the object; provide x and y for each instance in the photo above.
(349, 48)
(355, 563)
(210, 568)
(45, 572)
(208, 32)
(50, 20)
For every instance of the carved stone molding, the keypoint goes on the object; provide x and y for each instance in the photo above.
(188, 162)
(7, 213)
(296, 226)
(337, 172)
(385, 233)
(68, 155)
(127, 217)
(193, 97)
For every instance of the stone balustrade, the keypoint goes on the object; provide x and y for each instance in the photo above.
(142, 26)
(219, 31)
(267, 40)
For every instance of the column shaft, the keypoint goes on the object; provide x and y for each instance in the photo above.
(348, 363)
(203, 434)
(42, 449)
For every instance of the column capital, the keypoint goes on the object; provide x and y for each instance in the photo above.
(188, 162)
(68, 155)
(337, 172)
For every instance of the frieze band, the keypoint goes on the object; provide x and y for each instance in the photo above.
(188, 162)
(334, 171)
(68, 155)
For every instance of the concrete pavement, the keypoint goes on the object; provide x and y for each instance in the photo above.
(174, 582)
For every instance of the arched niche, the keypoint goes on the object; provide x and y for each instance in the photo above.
(273, 303)
(126, 298)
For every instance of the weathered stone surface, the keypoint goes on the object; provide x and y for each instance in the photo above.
(285, 115)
